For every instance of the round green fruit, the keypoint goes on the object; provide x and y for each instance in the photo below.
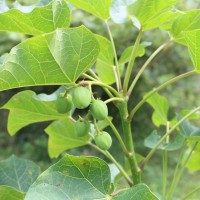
(103, 140)
(64, 104)
(81, 128)
(99, 110)
(81, 97)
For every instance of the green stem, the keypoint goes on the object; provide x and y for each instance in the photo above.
(191, 193)
(165, 164)
(93, 74)
(177, 78)
(150, 154)
(131, 61)
(114, 99)
(179, 173)
(118, 136)
(118, 80)
(103, 85)
(112, 159)
(126, 125)
(145, 65)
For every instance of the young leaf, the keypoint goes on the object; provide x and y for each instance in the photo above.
(194, 161)
(187, 21)
(152, 13)
(105, 60)
(137, 192)
(72, 178)
(10, 193)
(41, 20)
(189, 131)
(161, 107)
(25, 108)
(100, 8)
(62, 137)
(18, 173)
(56, 58)
(125, 57)
(152, 140)
(192, 39)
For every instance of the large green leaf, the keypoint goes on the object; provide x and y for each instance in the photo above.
(100, 8)
(51, 59)
(18, 173)
(62, 137)
(25, 108)
(192, 39)
(105, 61)
(10, 193)
(84, 178)
(161, 107)
(41, 20)
(187, 21)
(137, 192)
(152, 13)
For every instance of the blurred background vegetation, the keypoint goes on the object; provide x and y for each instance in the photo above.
(31, 142)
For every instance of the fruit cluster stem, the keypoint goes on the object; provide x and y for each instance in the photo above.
(128, 139)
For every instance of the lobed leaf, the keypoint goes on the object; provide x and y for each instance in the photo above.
(56, 58)
(10, 193)
(62, 137)
(25, 108)
(100, 8)
(152, 13)
(18, 173)
(137, 192)
(41, 20)
(85, 178)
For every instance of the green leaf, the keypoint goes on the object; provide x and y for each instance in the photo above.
(56, 58)
(62, 137)
(161, 107)
(9, 193)
(137, 192)
(85, 178)
(126, 55)
(41, 20)
(189, 131)
(105, 60)
(174, 144)
(187, 21)
(25, 108)
(194, 161)
(18, 173)
(152, 13)
(192, 39)
(100, 8)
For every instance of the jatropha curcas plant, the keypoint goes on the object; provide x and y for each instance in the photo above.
(77, 60)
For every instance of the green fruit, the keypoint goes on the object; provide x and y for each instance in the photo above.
(81, 128)
(99, 110)
(103, 140)
(64, 104)
(81, 97)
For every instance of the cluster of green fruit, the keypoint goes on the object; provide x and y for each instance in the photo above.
(81, 98)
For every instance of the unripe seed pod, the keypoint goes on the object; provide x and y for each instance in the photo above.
(99, 110)
(81, 97)
(81, 128)
(64, 104)
(103, 140)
